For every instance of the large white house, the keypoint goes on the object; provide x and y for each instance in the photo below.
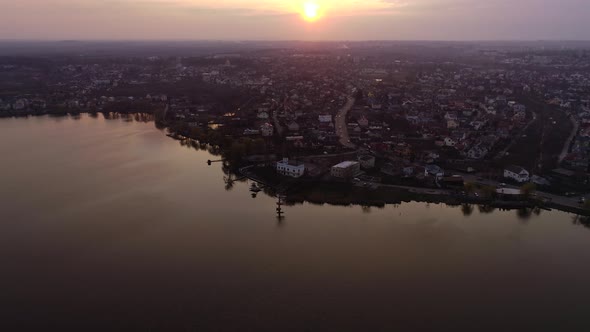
(517, 174)
(292, 168)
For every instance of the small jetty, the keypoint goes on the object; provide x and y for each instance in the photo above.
(177, 137)
(280, 213)
(254, 188)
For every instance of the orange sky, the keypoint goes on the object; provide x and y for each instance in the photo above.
(279, 19)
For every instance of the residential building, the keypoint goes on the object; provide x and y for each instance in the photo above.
(509, 193)
(267, 130)
(293, 126)
(363, 122)
(346, 169)
(292, 168)
(477, 152)
(434, 170)
(517, 174)
(326, 118)
(367, 161)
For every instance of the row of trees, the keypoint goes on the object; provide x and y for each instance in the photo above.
(526, 190)
(231, 148)
(485, 190)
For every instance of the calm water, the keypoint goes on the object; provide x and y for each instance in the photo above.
(111, 225)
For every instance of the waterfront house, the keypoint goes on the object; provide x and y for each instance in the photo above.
(509, 194)
(346, 169)
(292, 168)
(517, 174)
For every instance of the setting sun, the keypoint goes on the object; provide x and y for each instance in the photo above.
(311, 11)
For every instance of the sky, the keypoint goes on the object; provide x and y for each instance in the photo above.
(283, 20)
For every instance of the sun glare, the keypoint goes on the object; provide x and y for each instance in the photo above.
(311, 11)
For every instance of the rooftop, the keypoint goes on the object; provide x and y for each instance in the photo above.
(346, 164)
(291, 162)
(516, 169)
(508, 191)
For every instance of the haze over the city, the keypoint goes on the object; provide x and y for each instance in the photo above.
(298, 19)
(294, 165)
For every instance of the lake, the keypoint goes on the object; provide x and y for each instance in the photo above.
(108, 224)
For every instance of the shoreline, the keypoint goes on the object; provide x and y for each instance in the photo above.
(380, 196)
(345, 194)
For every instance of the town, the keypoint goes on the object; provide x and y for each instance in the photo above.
(479, 119)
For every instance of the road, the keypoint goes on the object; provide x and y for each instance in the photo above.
(568, 202)
(278, 127)
(415, 190)
(566, 147)
(571, 202)
(340, 123)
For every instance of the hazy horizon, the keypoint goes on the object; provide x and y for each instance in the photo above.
(229, 40)
(266, 20)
